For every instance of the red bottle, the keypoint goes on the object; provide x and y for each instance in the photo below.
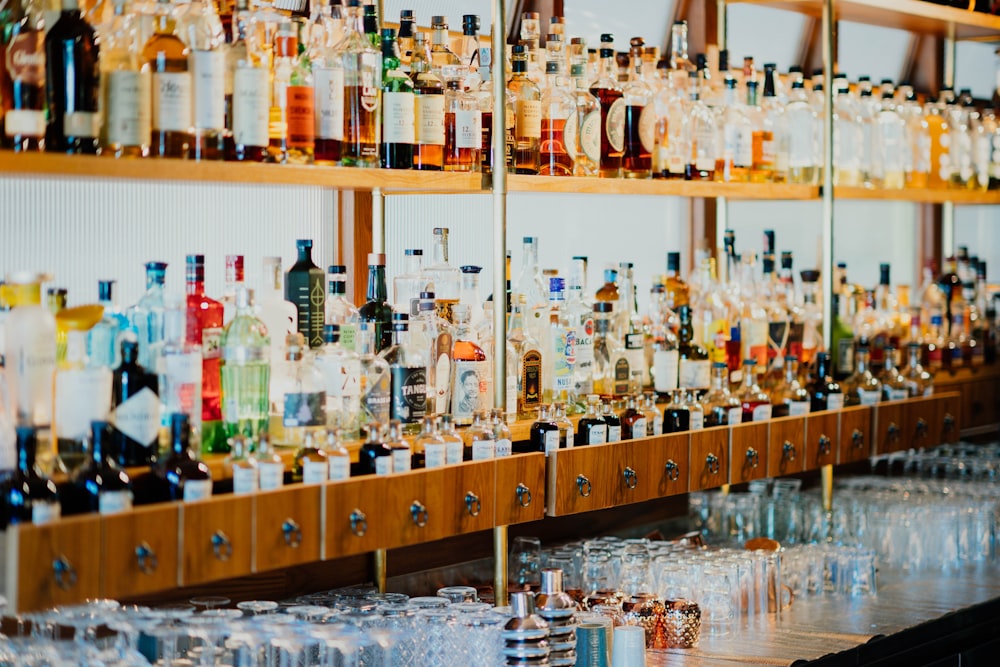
(204, 328)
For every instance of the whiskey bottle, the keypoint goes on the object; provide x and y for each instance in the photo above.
(824, 392)
(341, 369)
(27, 495)
(375, 382)
(592, 429)
(470, 373)
(408, 376)
(72, 83)
(135, 410)
(183, 475)
(755, 403)
(484, 98)
(429, 449)
(527, 131)
(178, 367)
(166, 56)
(328, 82)
(304, 288)
(862, 387)
(582, 133)
(376, 309)
(298, 395)
(82, 394)
(398, 132)
(672, 132)
(339, 310)
(24, 100)
(640, 118)
(609, 94)
(300, 106)
(248, 89)
(789, 398)
(362, 68)
(557, 107)
(719, 406)
(654, 419)
(125, 88)
(310, 465)
(246, 370)
(693, 369)
(463, 130)
(401, 454)
(468, 52)
(763, 161)
(375, 456)
(429, 103)
(199, 26)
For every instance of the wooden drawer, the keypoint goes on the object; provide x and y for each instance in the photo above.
(918, 415)
(855, 434)
(786, 450)
(288, 527)
(140, 551)
(709, 465)
(633, 480)
(981, 401)
(356, 516)
(890, 427)
(821, 439)
(53, 564)
(949, 423)
(469, 498)
(414, 505)
(668, 458)
(579, 479)
(748, 453)
(217, 540)
(520, 488)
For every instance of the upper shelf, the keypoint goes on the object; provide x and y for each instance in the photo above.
(675, 188)
(919, 196)
(910, 15)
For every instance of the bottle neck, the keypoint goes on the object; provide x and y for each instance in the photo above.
(720, 379)
(26, 446)
(440, 249)
(861, 362)
(791, 371)
(376, 284)
(155, 279)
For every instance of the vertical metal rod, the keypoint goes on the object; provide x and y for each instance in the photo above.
(499, 195)
(378, 220)
(948, 208)
(826, 475)
(721, 224)
(378, 562)
(826, 231)
(720, 24)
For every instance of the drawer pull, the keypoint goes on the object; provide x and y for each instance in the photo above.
(418, 513)
(892, 432)
(631, 478)
(753, 458)
(949, 422)
(473, 504)
(921, 430)
(712, 463)
(583, 486)
(292, 532)
(788, 451)
(673, 470)
(523, 494)
(146, 559)
(858, 438)
(359, 523)
(221, 546)
(824, 445)
(64, 572)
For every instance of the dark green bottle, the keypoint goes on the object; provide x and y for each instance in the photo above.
(305, 287)
(398, 130)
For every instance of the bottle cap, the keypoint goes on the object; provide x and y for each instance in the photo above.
(413, 252)
(156, 266)
(809, 275)
(405, 14)
(551, 67)
(786, 259)
(426, 295)
(607, 37)
(105, 290)
(471, 269)
(400, 317)
(577, 70)
(518, 49)
(603, 307)
(376, 259)
(439, 21)
(673, 261)
(304, 244)
(607, 53)
(331, 333)
(388, 34)
(883, 274)
(337, 269)
(194, 259)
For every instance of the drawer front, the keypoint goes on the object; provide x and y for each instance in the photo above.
(890, 428)
(709, 465)
(950, 423)
(669, 463)
(749, 454)
(580, 479)
(140, 550)
(855, 434)
(415, 507)
(786, 448)
(520, 489)
(633, 480)
(469, 500)
(53, 564)
(288, 527)
(217, 539)
(821, 440)
(356, 516)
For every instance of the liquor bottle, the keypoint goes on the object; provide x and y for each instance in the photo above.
(693, 369)
(376, 309)
(501, 432)
(802, 129)
(184, 476)
(104, 338)
(246, 370)
(676, 414)
(147, 315)
(559, 348)
(633, 420)
(375, 381)
(940, 146)
(407, 29)
(525, 142)
(763, 162)
(249, 91)
(429, 103)
(241, 466)
(677, 291)
(407, 286)
(719, 406)
(27, 495)
(398, 108)
(339, 310)
(304, 288)
(443, 279)
(29, 350)
(609, 94)
(789, 397)
(362, 67)
(408, 376)
(640, 118)
(890, 141)
(613, 421)
(166, 56)
(532, 287)
(529, 363)
(566, 428)
(696, 412)
(468, 51)
(72, 76)
(484, 97)
(919, 382)
(369, 24)
(280, 317)
(463, 130)
(300, 109)
(104, 487)
(631, 326)
(135, 409)
(755, 403)
(544, 434)
(735, 152)
(199, 26)
(469, 297)
(582, 133)
(592, 429)
(480, 439)
(285, 52)
(672, 131)
(894, 387)
(401, 453)
(429, 449)
(448, 65)
(338, 459)
(341, 370)
(178, 368)
(24, 100)
(916, 147)
(433, 336)
(557, 107)
(847, 139)
(311, 465)
(125, 88)
(328, 84)
(611, 364)
(297, 394)
(204, 328)
(581, 317)
(469, 370)
(235, 278)
(82, 394)
(374, 457)
(704, 144)
(824, 392)
(862, 387)
(454, 444)
(868, 109)
(654, 419)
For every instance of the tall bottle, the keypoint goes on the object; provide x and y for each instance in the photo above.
(184, 476)
(204, 328)
(125, 87)
(408, 285)
(443, 279)
(582, 133)
(640, 118)
(694, 365)
(105, 337)
(72, 76)
(433, 336)
(341, 369)
(29, 350)
(104, 487)
(527, 131)
(328, 83)
(28, 496)
(166, 55)
(297, 395)
(611, 363)
(24, 101)
(377, 309)
(246, 370)
(248, 88)
(581, 317)
(847, 139)
(824, 392)
(398, 108)
(376, 398)
(470, 370)
(529, 362)
(147, 315)
(362, 68)
(178, 367)
(557, 107)
(199, 26)
(82, 395)
(135, 410)
(429, 109)
(559, 348)
(407, 377)
(802, 129)
(735, 149)
(280, 316)
(701, 159)
(304, 288)
(609, 94)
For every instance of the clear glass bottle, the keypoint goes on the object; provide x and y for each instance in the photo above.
(480, 439)
(242, 467)
(401, 453)
(613, 421)
(470, 298)
(147, 315)
(672, 135)
(429, 101)
(890, 142)
(545, 434)
(362, 67)
(339, 310)
(701, 162)
(719, 406)
(559, 353)
(756, 403)
(248, 90)
(501, 432)
(166, 56)
(408, 377)
(581, 317)
(847, 139)
(566, 428)
(183, 475)
(280, 317)
(529, 362)
(470, 371)
(126, 94)
(199, 26)
(135, 409)
(697, 412)
(862, 387)
(802, 124)
(557, 106)
(524, 144)
(298, 396)
(338, 459)
(640, 118)
(763, 163)
(204, 328)
(611, 364)
(463, 129)
(444, 279)
(178, 367)
(454, 444)
(433, 337)
(582, 132)
(328, 83)
(104, 338)
(919, 382)
(789, 398)
(430, 448)
(82, 394)
(28, 496)
(734, 143)
(270, 466)
(341, 369)
(375, 382)
(894, 386)
(531, 286)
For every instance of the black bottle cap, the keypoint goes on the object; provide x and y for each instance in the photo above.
(551, 67)
(130, 351)
(413, 252)
(770, 66)
(768, 264)
(723, 60)
(786, 259)
(180, 427)
(607, 37)
(388, 34)
(156, 266)
(518, 49)
(769, 240)
(337, 269)
(798, 85)
(730, 83)
(864, 77)
(471, 269)
(701, 61)
(809, 275)
(304, 244)
(818, 71)
(883, 274)
(795, 69)
(400, 317)
(331, 333)
(105, 290)
(607, 53)
(470, 23)
(405, 14)
(673, 261)
(603, 307)
(370, 10)
(194, 259)
(427, 295)
(751, 85)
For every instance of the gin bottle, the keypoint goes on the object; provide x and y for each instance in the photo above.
(341, 370)
(298, 395)
(28, 496)
(147, 315)
(135, 410)
(246, 370)
(178, 367)
(375, 382)
(304, 288)
(104, 487)
(339, 310)
(204, 328)
(105, 337)
(408, 377)
(82, 395)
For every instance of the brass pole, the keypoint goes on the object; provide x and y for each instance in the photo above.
(826, 475)
(378, 220)
(500, 566)
(378, 562)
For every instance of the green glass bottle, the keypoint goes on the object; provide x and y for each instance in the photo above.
(246, 371)
(398, 130)
(304, 287)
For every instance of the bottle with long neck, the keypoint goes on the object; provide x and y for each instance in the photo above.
(125, 87)
(398, 112)
(559, 351)
(246, 370)
(304, 288)
(135, 412)
(328, 84)
(408, 377)
(178, 367)
(147, 315)
(185, 476)
(525, 157)
(407, 286)
(701, 163)
(248, 92)
(166, 55)
(609, 94)
(204, 328)
(103, 486)
(529, 283)
(376, 309)
(361, 64)
(339, 310)
(443, 279)
(200, 28)
(581, 316)
(72, 81)
(375, 380)
(429, 108)
(693, 369)
(24, 95)
(640, 118)
(28, 496)
(82, 395)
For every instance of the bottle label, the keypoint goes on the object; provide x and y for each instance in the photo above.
(845, 356)
(869, 397)
(453, 451)
(211, 343)
(694, 374)
(272, 475)
(657, 422)
(42, 512)
(531, 380)
(622, 376)
(587, 140)
(208, 71)
(665, 364)
(483, 450)
(129, 113)
(343, 380)
(647, 128)
(469, 388)
(329, 83)
(798, 408)
(528, 123)
(339, 468)
(704, 142)
(196, 489)
(564, 348)
(114, 502)
(597, 434)
(429, 119)
(835, 401)
(409, 393)
(25, 123)
(551, 440)
(25, 60)
(383, 465)
(762, 413)
(245, 479)
(81, 124)
(300, 117)
(639, 428)
(511, 407)
(81, 396)
(398, 111)
(696, 420)
(182, 382)
(315, 472)
(614, 433)
(504, 447)
(898, 394)
(347, 336)
(469, 129)
(304, 409)
(172, 101)
(139, 417)
(569, 438)
(614, 125)
(401, 460)
(734, 416)
(434, 455)
(251, 106)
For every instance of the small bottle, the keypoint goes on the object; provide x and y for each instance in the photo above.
(824, 392)
(135, 410)
(311, 461)
(654, 419)
(270, 466)
(633, 420)
(919, 382)
(408, 377)
(501, 432)
(480, 440)
(298, 394)
(893, 383)
(429, 449)
(402, 456)
(720, 407)
(454, 444)
(375, 382)
(789, 397)
(697, 417)
(375, 456)
(545, 433)
(613, 421)
(338, 459)
(27, 495)
(676, 415)
(566, 440)
(756, 404)
(463, 131)
(862, 387)
(470, 369)
(304, 288)
(592, 429)
(242, 466)
(377, 309)
(185, 476)
(245, 371)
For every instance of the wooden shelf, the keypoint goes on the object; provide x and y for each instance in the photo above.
(911, 15)
(923, 196)
(673, 188)
(340, 178)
